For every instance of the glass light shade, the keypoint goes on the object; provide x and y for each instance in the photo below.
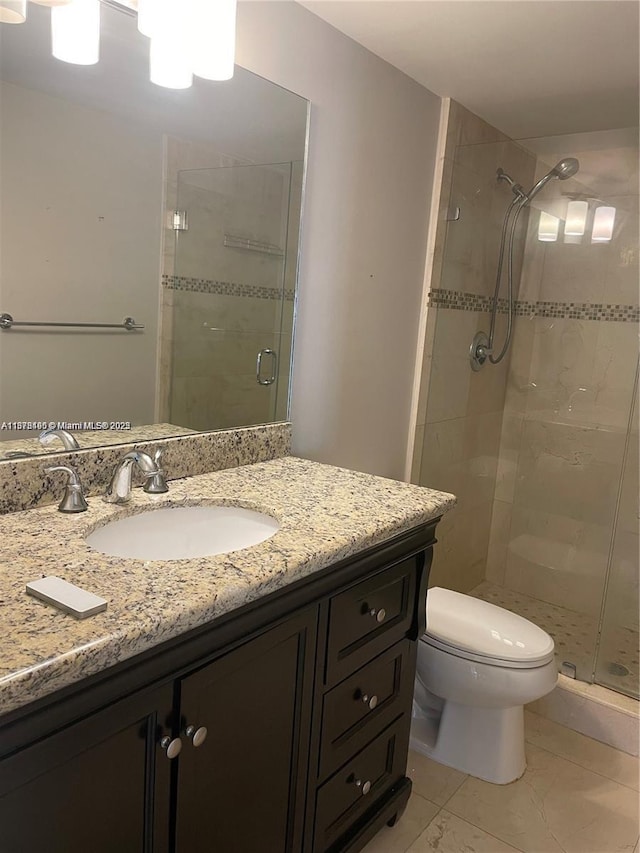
(548, 227)
(603, 222)
(165, 17)
(576, 220)
(169, 57)
(168, 66)
(147, 10)
(213, 38)
(13, 11)
(75, 32)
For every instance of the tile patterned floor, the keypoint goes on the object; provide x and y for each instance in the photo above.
(576, 796)
(574, 635)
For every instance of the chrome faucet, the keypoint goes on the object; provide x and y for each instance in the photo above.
(119, 490)
(69, 441)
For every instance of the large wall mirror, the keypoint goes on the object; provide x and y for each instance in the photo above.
(177, 209)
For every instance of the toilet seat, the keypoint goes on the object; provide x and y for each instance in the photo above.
(428, 640)
(479, 631)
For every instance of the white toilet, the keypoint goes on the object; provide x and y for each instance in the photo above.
(478, 665)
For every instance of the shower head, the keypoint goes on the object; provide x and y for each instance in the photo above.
(566, 168)
(562, 170)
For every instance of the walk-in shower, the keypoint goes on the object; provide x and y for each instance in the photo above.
(541, 448)
(482, 346)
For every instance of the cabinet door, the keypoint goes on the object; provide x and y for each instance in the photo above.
(242, 789)
(99, 785)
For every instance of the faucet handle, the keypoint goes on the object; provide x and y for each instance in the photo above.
(156, 484)
(73, 499)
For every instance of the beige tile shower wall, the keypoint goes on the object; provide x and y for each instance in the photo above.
(460, 414)
(568, 400)
(249, 202)
(216, 338)
(208, 376)
(178, 155)
(73, 255)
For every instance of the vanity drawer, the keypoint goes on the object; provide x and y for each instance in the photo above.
(369, 617)
(354, 789)
(364, 704)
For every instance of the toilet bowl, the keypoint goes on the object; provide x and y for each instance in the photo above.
(478, 665)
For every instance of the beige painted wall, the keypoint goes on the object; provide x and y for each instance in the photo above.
(371, 157)
(112, 270)
(372, 149)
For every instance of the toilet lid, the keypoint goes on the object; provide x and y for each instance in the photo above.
(483, 629)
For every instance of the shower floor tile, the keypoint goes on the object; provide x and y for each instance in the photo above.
(574, 635)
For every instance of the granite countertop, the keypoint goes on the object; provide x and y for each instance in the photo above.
(325, 513)
(92, 438)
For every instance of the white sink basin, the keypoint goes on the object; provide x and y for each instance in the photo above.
(180, 533)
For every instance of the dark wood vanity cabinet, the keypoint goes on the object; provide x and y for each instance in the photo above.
(291, 717)
(364, 699)
(99, 785)
(240, 790)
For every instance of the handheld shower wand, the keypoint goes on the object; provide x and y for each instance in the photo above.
(564, 169)
(482, 345)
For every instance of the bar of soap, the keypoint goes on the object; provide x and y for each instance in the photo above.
(66, 597)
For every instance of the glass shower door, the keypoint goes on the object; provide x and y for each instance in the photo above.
(617, 657)
(232, 311)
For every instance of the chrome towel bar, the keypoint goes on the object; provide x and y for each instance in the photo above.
(7, 322)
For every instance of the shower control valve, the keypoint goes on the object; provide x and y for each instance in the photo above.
(479, 350)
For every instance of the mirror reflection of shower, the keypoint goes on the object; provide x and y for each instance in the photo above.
(482, 346)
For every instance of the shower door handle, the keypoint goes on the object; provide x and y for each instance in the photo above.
(274, 361)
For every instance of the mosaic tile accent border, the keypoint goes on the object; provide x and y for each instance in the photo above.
(224, 288)
(460, 301)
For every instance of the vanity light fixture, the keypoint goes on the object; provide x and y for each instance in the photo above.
(187, 37)
(168, 65)
(146, 15)
(75, 32)
(603, 222)
(576, 220)
(548, 227)
(167, 24)
(13, 11)
(214, 39)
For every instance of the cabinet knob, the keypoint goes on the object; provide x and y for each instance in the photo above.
(171, 746)
(365, 787)
(197, 736)
(378, 615)
(370, 701)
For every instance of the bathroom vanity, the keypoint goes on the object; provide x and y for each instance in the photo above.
(267, 710)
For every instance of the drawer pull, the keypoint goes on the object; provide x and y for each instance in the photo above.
(171, 746)
(197, 736)
(365, 787)
(378, 615)
(370, 701)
